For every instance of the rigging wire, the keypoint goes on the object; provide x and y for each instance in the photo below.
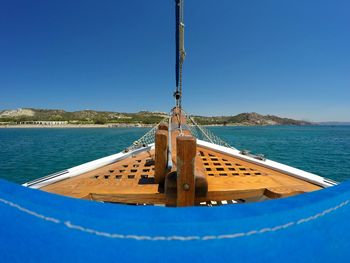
(180, 53)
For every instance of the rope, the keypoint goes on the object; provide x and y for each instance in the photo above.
(147, 139)
(204, 134)
(180, 53)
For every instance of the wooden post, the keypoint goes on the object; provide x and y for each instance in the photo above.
(186, 154)
(200, 178)
(161, 156)
(163, 126)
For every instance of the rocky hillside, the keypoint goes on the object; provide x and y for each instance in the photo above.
(249, 119)
(142, 117)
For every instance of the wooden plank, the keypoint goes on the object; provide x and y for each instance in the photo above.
(161, 155)
(132, 198)
(230, 183)
(279, 192)
(230, 195)
(200, 177)
(186, 154)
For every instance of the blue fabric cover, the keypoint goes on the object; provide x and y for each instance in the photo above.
(39, 227)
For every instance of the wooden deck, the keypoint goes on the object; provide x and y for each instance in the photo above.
(132, 181)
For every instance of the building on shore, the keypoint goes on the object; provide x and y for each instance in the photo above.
(48, 123)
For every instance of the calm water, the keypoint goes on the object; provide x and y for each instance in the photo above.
(26, 154)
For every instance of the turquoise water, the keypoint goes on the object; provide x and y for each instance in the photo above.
(26, 154)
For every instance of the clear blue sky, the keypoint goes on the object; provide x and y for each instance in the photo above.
(290, 58)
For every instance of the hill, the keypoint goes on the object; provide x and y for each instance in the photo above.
(249, 119)
(142, 117)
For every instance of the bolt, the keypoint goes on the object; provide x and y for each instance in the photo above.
(186, 187)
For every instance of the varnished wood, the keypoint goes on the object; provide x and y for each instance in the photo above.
(131, 175)
(247, 180)
(178, 117)
(135, 198)
(223, 169)
(161, 155)
(200, 177)
(186, 154)
(163, 126)
(279, 192)
(230, 195)
(201, 183)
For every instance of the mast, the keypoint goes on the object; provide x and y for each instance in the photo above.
(180, 50)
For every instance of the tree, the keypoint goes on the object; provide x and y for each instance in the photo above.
(100, 120)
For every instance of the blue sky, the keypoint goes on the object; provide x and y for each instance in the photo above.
(289, 58)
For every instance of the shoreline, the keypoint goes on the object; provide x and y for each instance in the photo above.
(38, 126)
(113, 125)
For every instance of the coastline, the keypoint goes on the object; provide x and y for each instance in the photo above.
(39, 126)
(119, 125)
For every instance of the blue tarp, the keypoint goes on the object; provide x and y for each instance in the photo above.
(39, 227)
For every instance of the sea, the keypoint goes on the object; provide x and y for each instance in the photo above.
(27, 154)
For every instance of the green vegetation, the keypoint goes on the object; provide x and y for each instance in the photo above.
(100, 120)
(143, 117)
(248, 119)
(80, 117)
